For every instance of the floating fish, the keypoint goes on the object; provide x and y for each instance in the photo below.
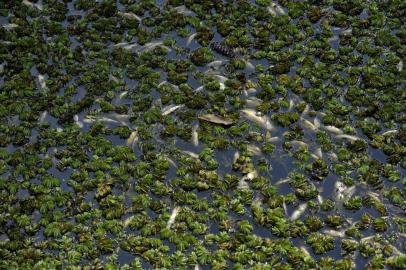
(399, 66)
(129, 15)
(132, 139)
(190, 39)
(42, 82)
(254, 150)
(333, 129)
(9, 26)
(184, 10)
(298, 212)
(335, 233)
(349, 137)
(171, 108)
(309, 124)
(172, 218)
(262, 121)
(195, 135)
(212, 118)
(36, 5)
(193, 155)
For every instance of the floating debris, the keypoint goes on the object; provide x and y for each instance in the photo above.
(216, 119)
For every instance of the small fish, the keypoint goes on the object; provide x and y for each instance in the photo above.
(171, 108)
(132, 139)
(184, 10)
(123, 94)
(291, 105)
(400, 66)
(309, 124)
(127, 221)
(76, 120)
(215, 64)
(195, 135)
(254, 150)
(9, 26)
(298, 212)
(349, 137)
(36, 5)
(42, 82)
(171, 161)
(318, 153)
(333, 129)
(212, 118)
(298, 143)
(262, 121)
(335, 233)
(317, 122)
(253, 102)
(43, 116)
(190, 39)
(129, 15)
(193, 155)
(172, 218)
(390, 132)
(236, 156)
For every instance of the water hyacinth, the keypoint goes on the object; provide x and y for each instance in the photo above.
(202, 134)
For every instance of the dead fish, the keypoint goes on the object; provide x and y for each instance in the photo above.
(298, 212)
(253, 102)
(282, 181)
(127, 221)
(132, 139)
(197, 267)
(318, 153)
(171, 108)
(195, 135)
(262, 121)
(129, 15)
(317, 122)
(320, 199)
(390, 132)
(114, 118)
(220, 78)
(42, 82)
(236, 156)
(193, 155)
(171, 161)
(349, 137)
(184, 10)
(342, 191)
(399, 66)
(9, 26)
(212, 118)
(76, 120)
(334, 233)
(309, 124)
(298, 143)
(36, 5)
(43, 116)
(333, 129)
(291, 105)
(306, 110)
(254, 150)
(190, 39)
(216, 63)
(172, 218)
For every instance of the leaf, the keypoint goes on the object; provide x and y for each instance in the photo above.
(216, 119)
